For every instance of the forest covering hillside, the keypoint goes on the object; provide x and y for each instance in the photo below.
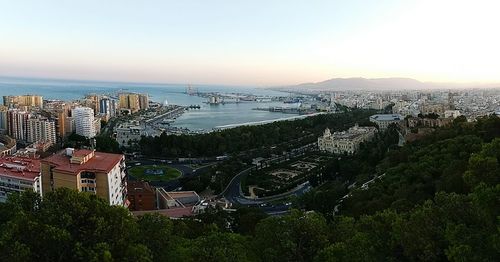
(438, 201)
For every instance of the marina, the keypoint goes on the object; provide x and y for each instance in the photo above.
(196, 116)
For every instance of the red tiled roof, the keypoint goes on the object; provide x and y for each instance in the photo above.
(101, 162)
(19, 167)
(82, 152)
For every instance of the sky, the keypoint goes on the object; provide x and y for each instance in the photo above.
(256, 43)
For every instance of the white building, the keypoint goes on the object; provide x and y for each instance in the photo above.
(452, 113)
(384, 120)
(18, 174)
(345, 141)
(84, 121)
(41, 130)
(129, 133)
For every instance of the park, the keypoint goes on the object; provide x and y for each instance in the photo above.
(153, 173)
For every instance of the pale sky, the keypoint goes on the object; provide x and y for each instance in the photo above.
(255, 42)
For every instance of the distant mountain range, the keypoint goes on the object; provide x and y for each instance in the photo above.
(359, 83)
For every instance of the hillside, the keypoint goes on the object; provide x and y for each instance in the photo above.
(380, 84)
(439, 201)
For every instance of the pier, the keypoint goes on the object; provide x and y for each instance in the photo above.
(177, 111)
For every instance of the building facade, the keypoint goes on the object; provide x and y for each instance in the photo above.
(23, 101)
(346, 142)
(98, 173)
(18, 174)
(84, 121)
(17, 124)
(8, 145)
(384, 120)
(143, 101)
(129, 101)
(41, 130)
(141, 196)
(133, 102)
(3, 119)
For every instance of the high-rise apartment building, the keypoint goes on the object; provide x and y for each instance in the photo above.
(69, 125)
(92, 101)
(3, 119)
(143, 101)
(134, 102)
(130, 102)
(84, 121)
(107, 108)
(98, 173)
(41, 130)
(23, 100)
(17, 123)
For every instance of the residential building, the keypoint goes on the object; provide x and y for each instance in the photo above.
(143, 101)
(18, 174)
(141, 196)
(128, 134)
(69, 125)
(23, 101)
(107, 108)
(8, 145)
(17, 124)
(384, 120)
(129, 101)
(3, 119)
(104, 106)
(41, 130)
(347, 142)
(93, 101)
(61, 124)
(97, 125)
(84, 121)
(84, 170)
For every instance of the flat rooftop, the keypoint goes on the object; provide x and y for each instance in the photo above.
(19, 167)
(100, 162)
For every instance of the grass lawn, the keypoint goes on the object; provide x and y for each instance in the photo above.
(156, 173)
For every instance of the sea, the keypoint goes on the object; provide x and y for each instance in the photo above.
(206, 118)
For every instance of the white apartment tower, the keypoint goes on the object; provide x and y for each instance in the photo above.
(84, 121)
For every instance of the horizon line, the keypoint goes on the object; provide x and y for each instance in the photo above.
(242, 85)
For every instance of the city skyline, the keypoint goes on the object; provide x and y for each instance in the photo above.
(250, 43)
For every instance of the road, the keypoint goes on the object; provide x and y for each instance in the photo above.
(234, 194)
(186, 171)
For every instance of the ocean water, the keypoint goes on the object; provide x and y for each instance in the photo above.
(208, 117)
